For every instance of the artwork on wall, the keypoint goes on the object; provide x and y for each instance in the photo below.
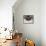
(28, 19)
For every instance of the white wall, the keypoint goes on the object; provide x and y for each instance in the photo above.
(27, 7)
(43, 22)
(6, 13)
(31, 31)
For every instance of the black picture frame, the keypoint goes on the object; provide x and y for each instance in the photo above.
(28, 19)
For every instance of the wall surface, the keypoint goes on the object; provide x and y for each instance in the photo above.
(36, 31)
(6, 13)
(30, 31)
(6, 16)
(43, 22)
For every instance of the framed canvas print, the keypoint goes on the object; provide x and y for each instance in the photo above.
(28, 19)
